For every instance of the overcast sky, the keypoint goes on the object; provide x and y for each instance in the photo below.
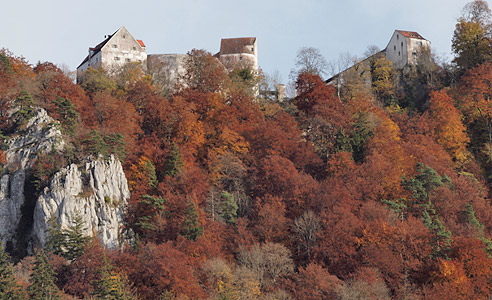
(61, 31)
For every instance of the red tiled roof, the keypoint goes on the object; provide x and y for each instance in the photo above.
(411, 34)
(236, 45)
(141, 43)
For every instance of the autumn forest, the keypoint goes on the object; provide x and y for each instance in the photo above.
(378, 190)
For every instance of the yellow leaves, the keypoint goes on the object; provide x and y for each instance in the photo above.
(452, 271)
(450, 131)
(231, 141)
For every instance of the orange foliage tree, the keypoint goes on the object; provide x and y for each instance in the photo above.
(450, 131)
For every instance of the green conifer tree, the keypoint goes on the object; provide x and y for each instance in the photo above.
(68, 114)
(43, 280)
(25, 110)
(191, 228)
(9, 288)
(174, 161)
(75, 239)
(228, 208)
(111, 285)
(56, 237)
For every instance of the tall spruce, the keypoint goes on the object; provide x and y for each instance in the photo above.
(9, 288)
(111, 285)
(191, 227)
(43, 280)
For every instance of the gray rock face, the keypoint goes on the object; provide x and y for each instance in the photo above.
(41, 134)
(97, 192)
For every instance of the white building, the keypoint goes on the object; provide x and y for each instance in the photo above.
(117, 50)
(402, 50)
(404, 46)
(238, 52)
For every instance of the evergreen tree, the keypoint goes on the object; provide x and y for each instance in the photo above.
(441, 237)
(228, 208)
(43, 280)
(190, 228)
(75, 239)
(69, 243)
(9, 288)
(56, 237)
(94, 144)
(111, 285)
(25, 110)
(174, 161)
(68, 114)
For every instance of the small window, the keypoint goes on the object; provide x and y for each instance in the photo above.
(240, 58)
(116, 58)
(399, 53)
(115, 46)
(394, 48)
(124, 36)
(139, 60)
(97, 59)
(420, 43)
(253, 49)
(134, 48)
(127, 60)
(397, 36)
(402, 44)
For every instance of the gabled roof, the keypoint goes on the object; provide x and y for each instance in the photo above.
(97, 48)
(411, 34)
(236, 45)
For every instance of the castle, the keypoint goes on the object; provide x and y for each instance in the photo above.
(402, 50)
(121, 48)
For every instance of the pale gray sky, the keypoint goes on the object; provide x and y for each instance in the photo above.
(60, 31)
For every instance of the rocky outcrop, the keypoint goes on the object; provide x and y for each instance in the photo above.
(40, 134)
(96, 192)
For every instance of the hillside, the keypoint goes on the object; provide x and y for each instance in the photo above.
(379, 188)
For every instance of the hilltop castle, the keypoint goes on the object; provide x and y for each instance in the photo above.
(121, 48)
(402, 50)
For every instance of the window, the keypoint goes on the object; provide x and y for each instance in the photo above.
(399, 53)
(252, 49)
(402, 44)
(127, 60)
(115, 46)
(394, 47)
(116, 58)
(124, 36)
(134, 48)
(397, 36)
(240, 58)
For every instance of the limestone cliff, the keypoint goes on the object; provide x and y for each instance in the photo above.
(40, 134)
(96, 190)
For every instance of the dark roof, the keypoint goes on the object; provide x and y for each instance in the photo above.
(236, 45)
(411, 34)
(96, 49)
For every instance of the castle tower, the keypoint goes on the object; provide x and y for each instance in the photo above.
(238, 53)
